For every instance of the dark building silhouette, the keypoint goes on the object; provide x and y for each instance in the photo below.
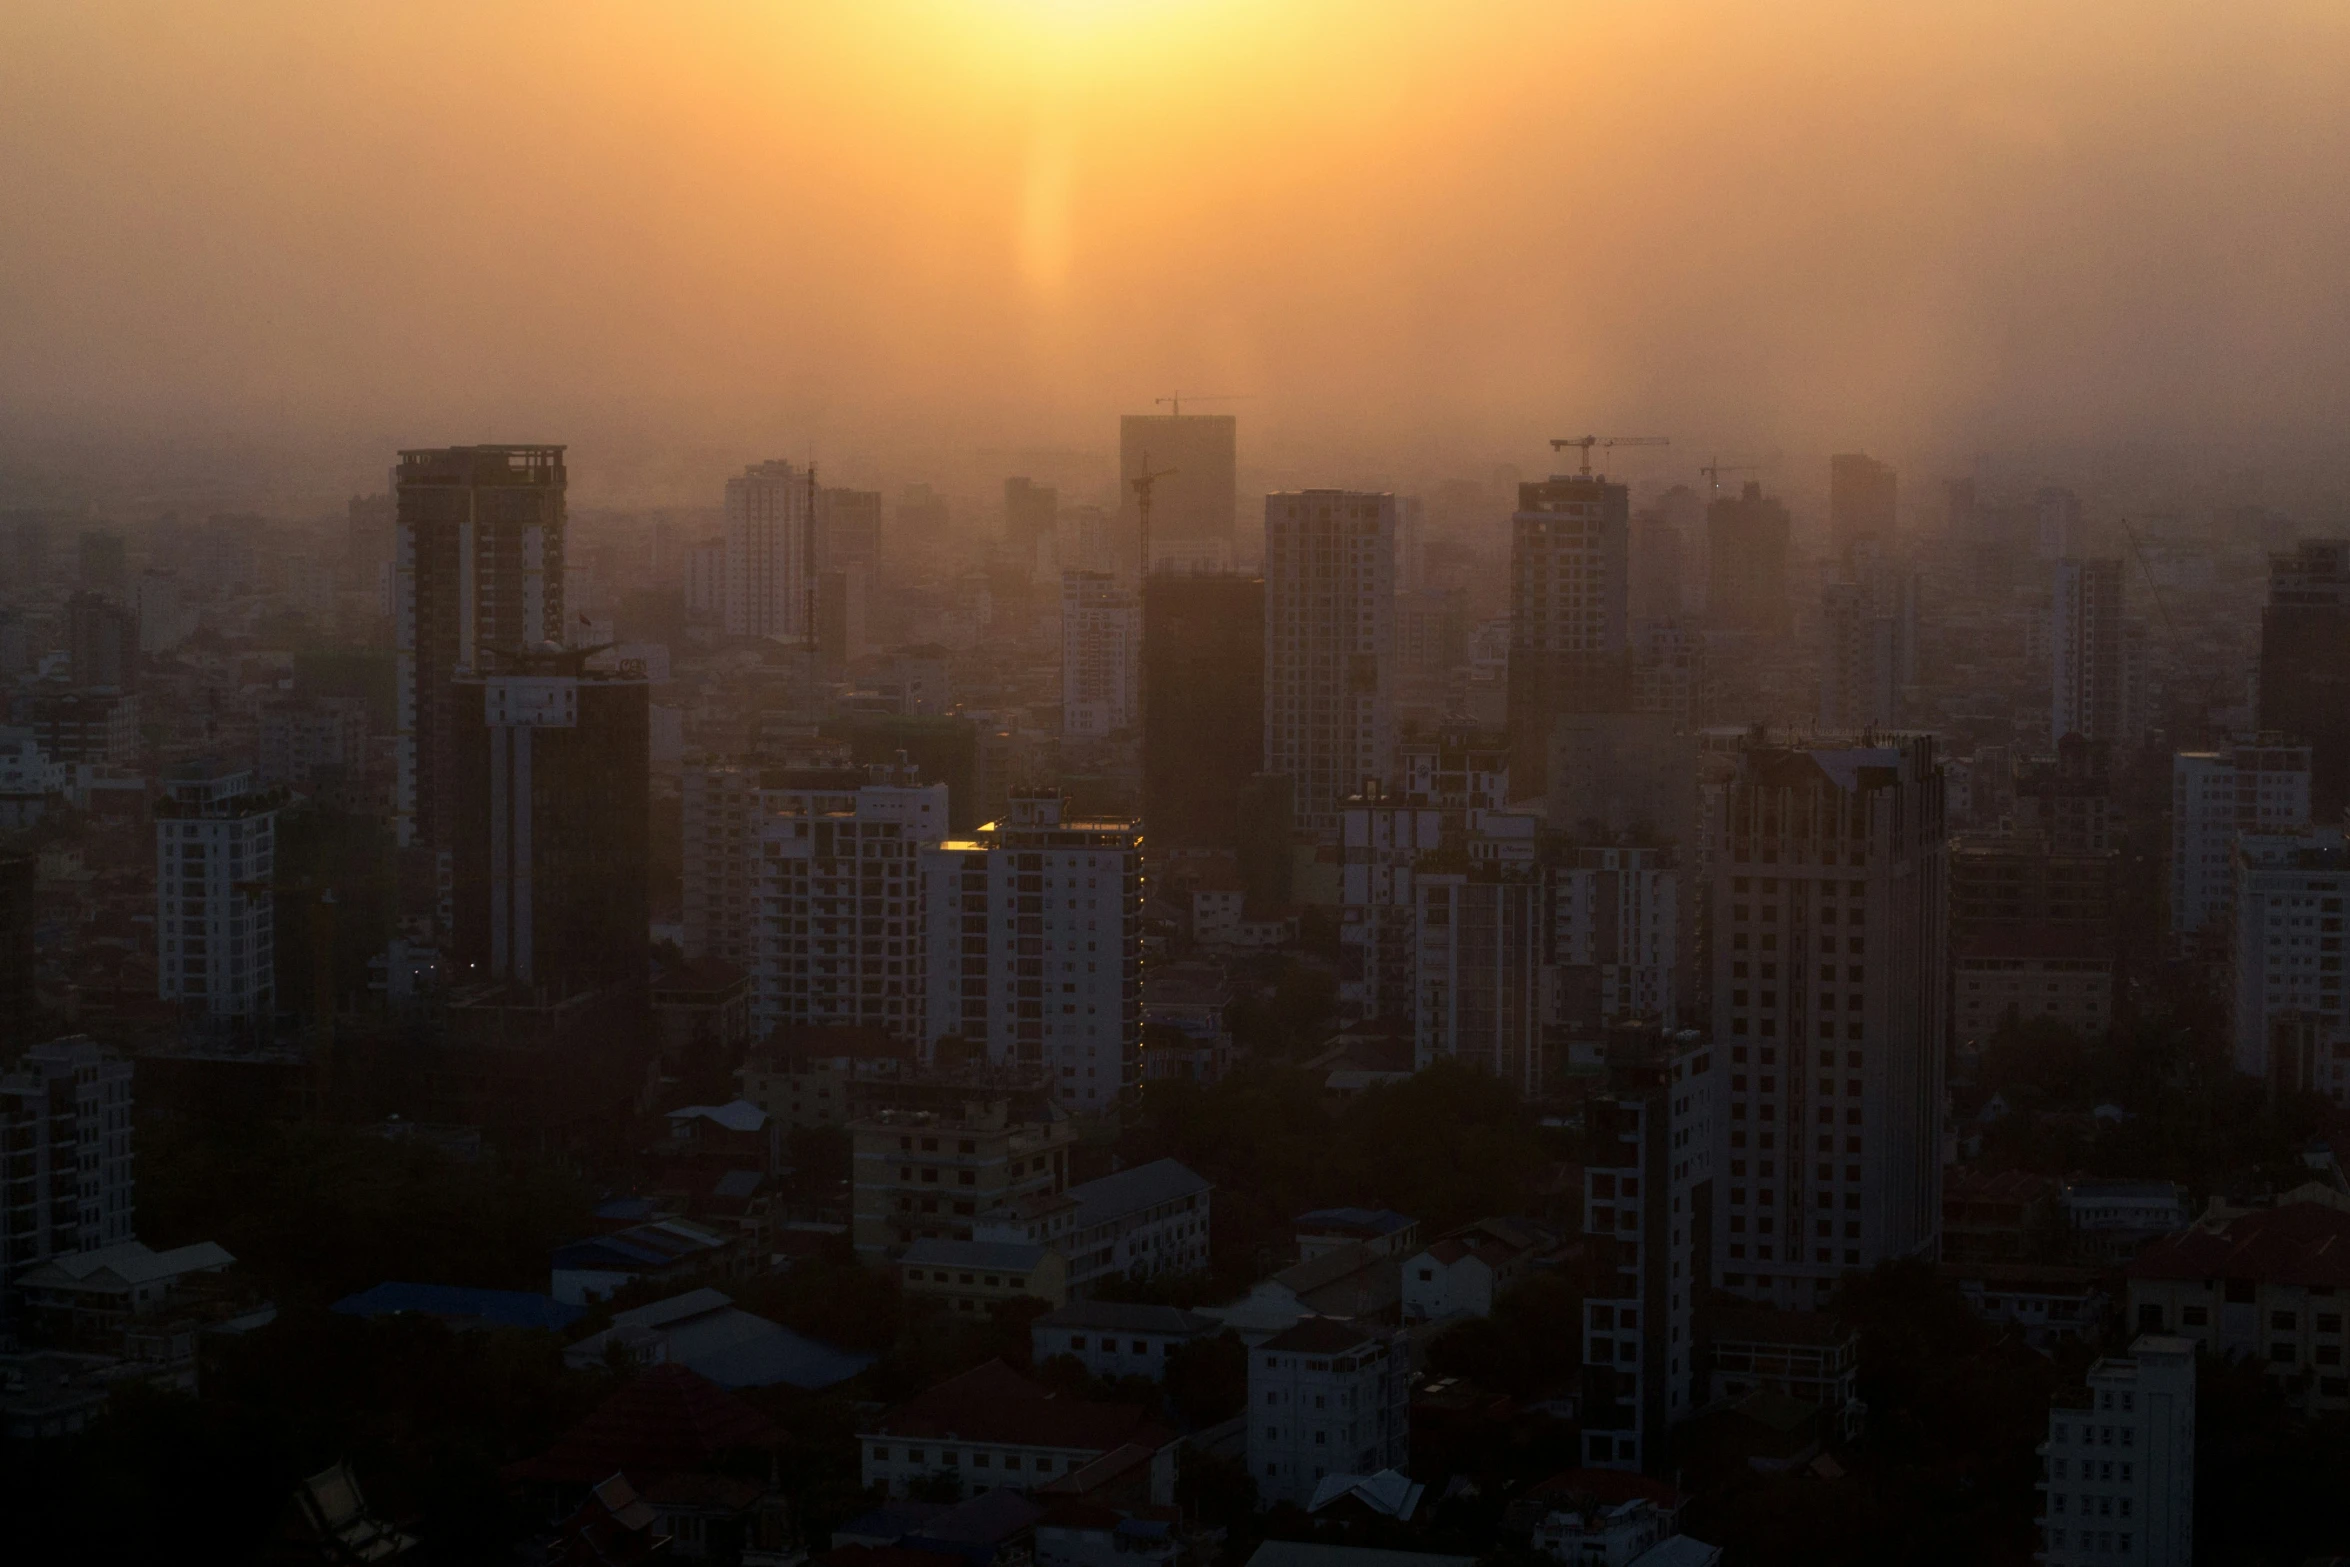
(550, 847)
(17, 998)
(103, 565)
(1861, 496)
(102, 639)
(1195, 508)
(2305, 664)
(1570, 620)
(479, 565)
(1746, 555)
(1031, 512)
(848, 528)
(1203, 706)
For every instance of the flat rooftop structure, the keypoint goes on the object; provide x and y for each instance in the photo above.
(480, 465)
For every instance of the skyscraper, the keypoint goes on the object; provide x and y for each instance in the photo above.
(1031, 518)
(1194, 509)
(65, 1141)
(767, 542)
(1860, 661)
(2089, 658)
(1101, 655)
(1861, 499)
(1203, 694)
(1478, 969)
(1746, 562)
(102, 640)
(551, 848)
(1329, 646)
(215, 922)
(2260, 783)
(848, 529)
(1570, 623)
(479, 567)
(1829, 985)
(2305, 664)
(1033, 930)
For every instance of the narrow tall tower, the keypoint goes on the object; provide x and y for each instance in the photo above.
(479, 566)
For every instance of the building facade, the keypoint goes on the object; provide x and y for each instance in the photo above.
(1329, 646)
(65, 1153)
(1328, 1396)
(479, 565)
(2258, 784)
(2304, 656)
(770, 537)
(920, 1175)
(215, 916)
(2119, 1478)
(2285, 954)
(1829, 983)
(2089, 656)
(1570, 622)
(1101, 656)
(1195, 506)
(1203, 701)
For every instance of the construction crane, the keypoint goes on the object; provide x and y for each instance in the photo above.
(1173, 402)
(1715, 469)
(1142, 483)
(1604, 442)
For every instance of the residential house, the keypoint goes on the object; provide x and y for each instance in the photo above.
(992, 1427)
(1117, 1339)
(1461, 1274)
(1133, 1224)
(2109, 1221)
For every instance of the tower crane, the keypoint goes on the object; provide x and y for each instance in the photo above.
(1714, 471)
(1142, 483)
(1173, 401)
(1605, 442)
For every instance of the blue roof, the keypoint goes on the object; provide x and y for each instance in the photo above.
(457, 1302)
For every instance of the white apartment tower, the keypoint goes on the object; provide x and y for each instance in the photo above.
(1034, 930)
(2285, 958)
(1827, 870)
(1329, 646)
(766, 571)
(840, 938)
(1101, 655)
(2119, 1463)
(2089, 653)
(1648, 1202)
(215, 855)
(65, 1141)
(2258, 784)
(1328, 1396)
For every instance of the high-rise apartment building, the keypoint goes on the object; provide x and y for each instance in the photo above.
(2033, 933)
(164, 620)
(848, 529)
(2119, 1482)
(839, 864)
(768, 543)
(1329, 646)
(102, 641)
(1478, 968)
(1616, 935)
(314, 744)
(215, 857)
(1746, 561)
(1860, 661)
(20, 997)
(479, 566)
(719, 805)
(1203, 696)
(2305, 664)
(2089, 656)
(921, 1175)
(1101, 656)
(1383, 839)
(705, 579)
(1035, 936)
(65, 1153)
(1829, 969)
(2285, 964)
(551, 850)
(1032, 514)
(2258, 783)
(1862, 496)
(1196, 507)
(1570, 621)
(103, 564)
(1648, 1202)
(2056, 524)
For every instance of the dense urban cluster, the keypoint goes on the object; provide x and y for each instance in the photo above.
(1551, 1018)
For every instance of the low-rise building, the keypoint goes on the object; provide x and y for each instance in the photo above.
(2119, 1476)
(2001, 1216)
(593, 1268)
(2050, 1303)
(2108, 1221)
(1600, 1517)
(1117, 1338)
(1461, 1274)
(2265, 1285)
(1352, 1281)
(974, 1277)
(925, 1175)
(1802, 1355)
(1380, 1229)
(1329, 1396)
(84, 1294)
(992, 1427)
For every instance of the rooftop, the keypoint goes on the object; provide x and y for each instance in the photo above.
(1144, 1186)
(1323, 1336)
(2301, 1243)
(994, 1403)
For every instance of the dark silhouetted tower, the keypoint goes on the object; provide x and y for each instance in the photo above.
(1570, 602)
(1203, 684)
(1861, 496)
(2305, 664)
(1746, 562)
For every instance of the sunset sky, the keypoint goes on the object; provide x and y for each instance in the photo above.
(1425, 231)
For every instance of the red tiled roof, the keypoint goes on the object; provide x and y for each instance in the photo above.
(666, 1421)
(2302, 1243)
(994, 1403)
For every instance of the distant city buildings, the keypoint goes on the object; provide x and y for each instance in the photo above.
(1203, 699)
(769, 540)
(1195, 507)
(2305, 664)
(1862, 505)
(2285, 959)
(2257, 784)
(1570, 613)
(1101, 655)
(1746, 549)
(2089, 653)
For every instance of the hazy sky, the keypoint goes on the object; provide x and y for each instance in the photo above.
(1412, 232)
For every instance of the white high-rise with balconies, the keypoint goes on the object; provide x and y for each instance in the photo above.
(1329, 647)
(2257, 784)
(1101, 655)
(766, 572)
(2119, 1475)
(215, 857)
